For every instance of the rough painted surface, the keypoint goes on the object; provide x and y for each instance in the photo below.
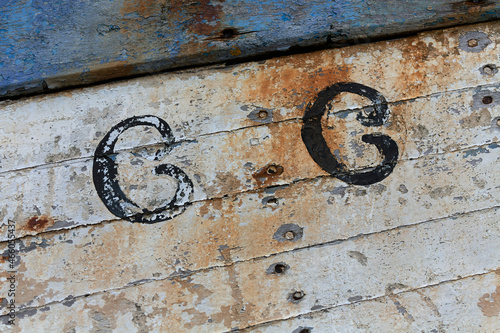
(51, 45)
(270, 240)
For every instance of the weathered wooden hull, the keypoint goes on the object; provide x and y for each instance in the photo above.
(47, 46)
(270, 240)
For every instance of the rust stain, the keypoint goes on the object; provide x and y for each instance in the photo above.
(267, 174)
(290, 82)
(227, 183)
(144, 8)
(201, 16)
(490, 303)
(3, 259)
(38, 223)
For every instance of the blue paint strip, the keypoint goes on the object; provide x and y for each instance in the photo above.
(55, 44)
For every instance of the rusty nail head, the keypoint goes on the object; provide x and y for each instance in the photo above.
(272, 169)
(298, 295)
(487, 100)
(473, 43)
(488, 69)
(272, 202)
(263, 114)
(289, 235)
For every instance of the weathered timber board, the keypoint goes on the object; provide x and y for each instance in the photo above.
(50, 189)
(420, 190)
(232, 162)
(50, 45)
(210, 260)
(247, 293)
(474, 301)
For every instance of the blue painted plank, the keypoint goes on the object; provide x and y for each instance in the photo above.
(47, 45)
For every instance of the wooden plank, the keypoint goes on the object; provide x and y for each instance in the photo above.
(53, 45)
(469, 305)
(418, 191)
(64, 194)
(250, 292)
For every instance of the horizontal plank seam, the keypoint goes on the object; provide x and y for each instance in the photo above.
(185, 274)
(291, 120)
(255, 190)
(326, 309)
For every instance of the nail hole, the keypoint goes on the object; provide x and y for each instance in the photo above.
(263, 114)
(473, 43)
(272, 202)
(487, 100)
(228, 33)
(279, 268)
(305, 330)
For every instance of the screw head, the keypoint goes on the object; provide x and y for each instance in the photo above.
(289, 235)
(272, 169)
(473, 42)
(263, 114)
(488, 70)
(298, 295)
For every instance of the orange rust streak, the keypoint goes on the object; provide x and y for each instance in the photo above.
(490, 303)
(145, 8)
(267, 174)
(291, 82)
(38, 223)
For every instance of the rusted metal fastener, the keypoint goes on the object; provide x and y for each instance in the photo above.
(488, 70)
(272, 169)
(473, 43)
(487, 100)
(263, 114)
(298, 295)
